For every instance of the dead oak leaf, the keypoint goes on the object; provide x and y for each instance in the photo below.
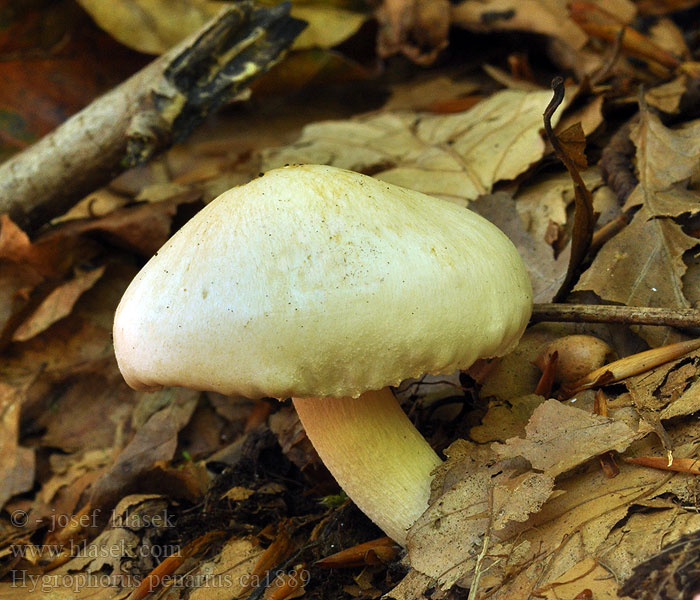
(559, 438)
(457, 157)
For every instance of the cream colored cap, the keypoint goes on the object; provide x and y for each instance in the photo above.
(316, 281)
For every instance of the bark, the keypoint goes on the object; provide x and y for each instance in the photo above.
(157, 106)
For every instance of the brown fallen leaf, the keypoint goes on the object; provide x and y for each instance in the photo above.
(537, 16)
(156, 440)
(286, 426)
(505, 420)
(457, 157)
(666, 159)
(158, 577)
(569, 147)
(560, 437)
(667, 96)
(58, 304)
(670, 391)
(143, 228)
(16, 462)
(446, 539)
(417, 28)
(584, 520)
(546, 272)
(274, 554)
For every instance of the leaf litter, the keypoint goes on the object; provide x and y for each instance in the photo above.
(522, 505)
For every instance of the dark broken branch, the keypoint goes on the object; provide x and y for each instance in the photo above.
(157, 106)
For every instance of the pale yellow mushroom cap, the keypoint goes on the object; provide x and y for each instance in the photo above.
(316, 281)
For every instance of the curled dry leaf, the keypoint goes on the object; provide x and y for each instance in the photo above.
(381, 551)
(457, 157)
(155, 441)
(667, 96)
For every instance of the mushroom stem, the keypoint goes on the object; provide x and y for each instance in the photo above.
(375, 454)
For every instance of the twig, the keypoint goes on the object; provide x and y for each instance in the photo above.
(607, 66)
(607, 313)
(584, 216)
(157, 106)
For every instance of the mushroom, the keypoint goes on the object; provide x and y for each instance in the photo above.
(328, 286)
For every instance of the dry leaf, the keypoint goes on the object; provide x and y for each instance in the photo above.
(417, 28)
(155, 441)
(142, 228)
(548, 17)
(328, 25)
(560, 437)
(58, 304)
(666, 159)
(424, 92)
(667, 96)
(543, 203)
(150, 26)
(546, 272)
(671, 390)
(16, 463)
(445, 540)
(457, 157)
(505, 420)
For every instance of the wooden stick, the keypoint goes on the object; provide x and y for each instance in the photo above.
(157, 106)
(607, 313)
